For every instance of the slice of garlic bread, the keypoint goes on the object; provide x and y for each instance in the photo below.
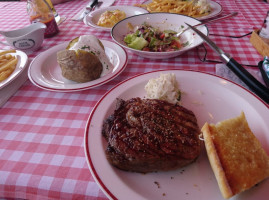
(235, 154)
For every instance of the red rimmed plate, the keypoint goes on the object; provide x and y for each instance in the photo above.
(212, 99)
(216, 9)
(44, 71)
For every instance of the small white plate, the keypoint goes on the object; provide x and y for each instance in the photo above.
(212, 99)
(22, 63)
(216, 9)
(92, 18)
(45, 72)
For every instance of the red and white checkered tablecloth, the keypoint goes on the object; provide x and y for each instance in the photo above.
(42, 132)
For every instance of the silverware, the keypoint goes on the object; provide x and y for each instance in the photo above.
(96, 6)
(90, 6)
(209, 21)
(234, 66)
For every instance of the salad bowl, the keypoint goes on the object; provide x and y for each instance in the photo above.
(162, 22)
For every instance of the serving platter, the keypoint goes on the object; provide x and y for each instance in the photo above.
(21, 65)
(45, 72)
(212, 99)
(92, 18)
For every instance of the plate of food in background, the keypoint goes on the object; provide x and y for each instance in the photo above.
(12, 64)
(199, 9)
(104, 19)
(126, 110)
(81, 64)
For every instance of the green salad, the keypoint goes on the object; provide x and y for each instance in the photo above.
(147, 38)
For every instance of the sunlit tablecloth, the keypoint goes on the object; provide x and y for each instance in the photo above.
(42, 132)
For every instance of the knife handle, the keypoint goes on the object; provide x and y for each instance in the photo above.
(249, 80)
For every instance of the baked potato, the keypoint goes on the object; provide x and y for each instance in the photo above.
(84, 59)
(79, 66)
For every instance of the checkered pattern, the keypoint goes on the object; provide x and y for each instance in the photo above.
(42, 132)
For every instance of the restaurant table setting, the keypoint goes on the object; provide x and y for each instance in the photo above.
(50, 140)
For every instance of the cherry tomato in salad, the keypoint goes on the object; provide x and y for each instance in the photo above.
(175, 44)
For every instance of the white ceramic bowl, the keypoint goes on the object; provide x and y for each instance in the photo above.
(92, 18)
(163, 21)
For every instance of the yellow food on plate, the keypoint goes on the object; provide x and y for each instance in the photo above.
(193, 8)
(8, 64)
(236, 156)
(110, 18)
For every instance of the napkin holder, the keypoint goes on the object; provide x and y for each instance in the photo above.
(260, 44)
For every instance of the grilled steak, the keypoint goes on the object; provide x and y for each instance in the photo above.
(146, 135)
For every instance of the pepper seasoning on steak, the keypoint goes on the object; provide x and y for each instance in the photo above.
(146, 135)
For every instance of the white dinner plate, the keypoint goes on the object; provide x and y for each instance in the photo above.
(22, 63)
(45, 72)
(92, 18)
(216, 9)
(212, 99)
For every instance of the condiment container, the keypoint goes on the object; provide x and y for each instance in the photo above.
(56, 15)
(40, 11)
(27, 39)
(260, 38)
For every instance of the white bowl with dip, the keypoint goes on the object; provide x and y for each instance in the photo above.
(29, 38)
(163, 21)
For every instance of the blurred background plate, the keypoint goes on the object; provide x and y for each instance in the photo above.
(216, 9)
(92, 18)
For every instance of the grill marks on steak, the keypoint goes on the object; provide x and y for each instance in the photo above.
(147, 135)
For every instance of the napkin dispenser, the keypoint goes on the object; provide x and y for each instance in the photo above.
(260, 44)
(260, 38)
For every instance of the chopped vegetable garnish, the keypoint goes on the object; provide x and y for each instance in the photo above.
(148, 38)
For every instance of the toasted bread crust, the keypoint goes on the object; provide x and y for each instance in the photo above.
(215, 163)
(234, 151)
